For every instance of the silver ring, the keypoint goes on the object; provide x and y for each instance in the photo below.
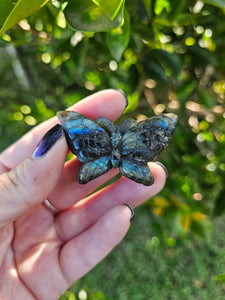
(51, 207)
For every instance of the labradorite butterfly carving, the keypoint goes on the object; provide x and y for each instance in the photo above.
(101, 145)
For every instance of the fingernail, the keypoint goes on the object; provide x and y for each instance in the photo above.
(125, 96)
(132, 211)
(48, 141)
(161, 165)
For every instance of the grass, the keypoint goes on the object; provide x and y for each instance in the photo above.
(143, 267)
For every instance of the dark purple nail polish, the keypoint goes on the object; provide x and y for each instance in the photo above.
(48, 141)
(125, 96)
(161, 165)
(132, 211)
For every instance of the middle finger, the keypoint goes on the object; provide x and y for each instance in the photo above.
(68, 191)
(83, 214)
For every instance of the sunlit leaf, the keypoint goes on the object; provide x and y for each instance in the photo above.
(160, 5)
(118, 39)
(198, 216)
(161, 201)
(220, 277)
(90, 15)
(219, 3)
(21, 10)
(98, 296)
(171, 242)
(178, 203)
(185, 222)
(68, 296)
(132, 102)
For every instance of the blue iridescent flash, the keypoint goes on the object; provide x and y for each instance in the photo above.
(101, 145)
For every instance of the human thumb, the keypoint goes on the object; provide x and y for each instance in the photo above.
(24, 187)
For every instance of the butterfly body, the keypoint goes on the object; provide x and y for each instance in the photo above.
(101, 145)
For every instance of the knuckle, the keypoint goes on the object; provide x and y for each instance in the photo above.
(13, 183)
(17, 177)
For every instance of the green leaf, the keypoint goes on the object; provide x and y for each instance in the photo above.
(133, 100)
(148, 6)
(5, 8)
(94, 15)
(21, 10)
(201, 56)
(186, 90)
(205, 98)
(154, 70)
(168, 60)
(219, 3)
(199, 228)
(220, 278)
(160, 5)
(118, 39)
(68, 296)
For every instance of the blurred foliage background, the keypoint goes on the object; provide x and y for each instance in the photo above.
(167, 56)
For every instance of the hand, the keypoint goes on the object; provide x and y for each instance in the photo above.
(42, 253)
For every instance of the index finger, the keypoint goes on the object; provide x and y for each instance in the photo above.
(107, 103)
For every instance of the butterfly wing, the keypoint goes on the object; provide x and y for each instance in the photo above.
(86, 139)
(146, 139)
(93, 169)
(142, 142)
(137, 171)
